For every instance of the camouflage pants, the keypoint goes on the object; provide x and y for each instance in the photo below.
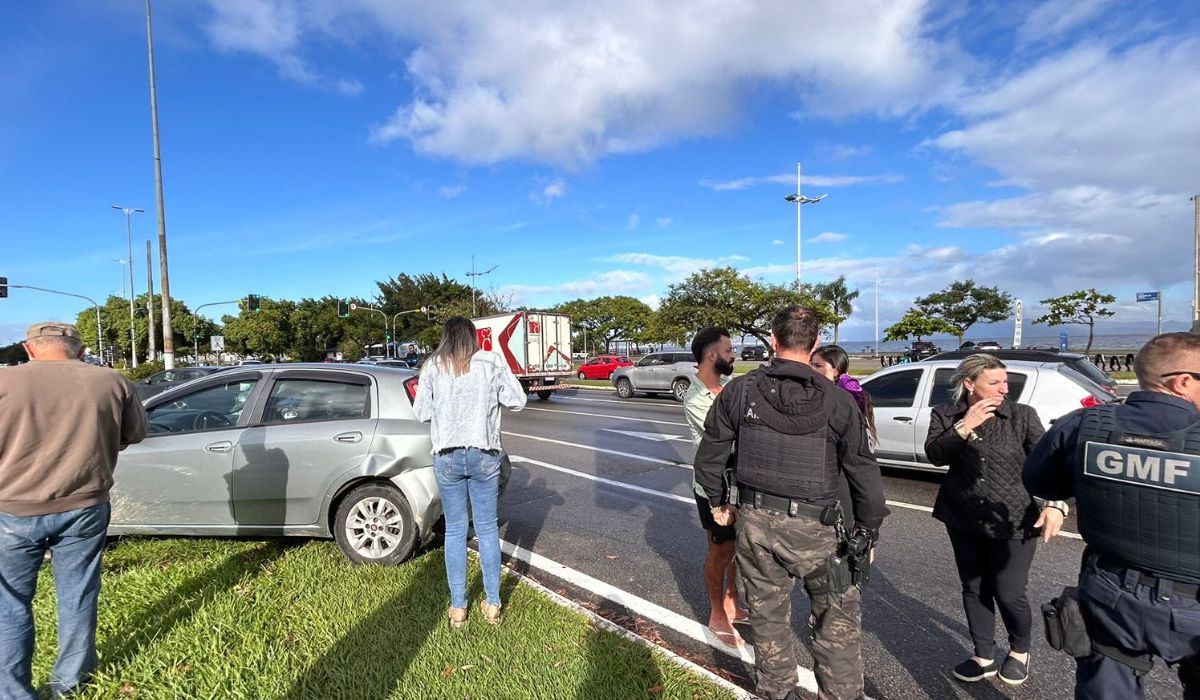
(774, 550)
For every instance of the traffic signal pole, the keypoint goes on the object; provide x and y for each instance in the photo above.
(99, 330)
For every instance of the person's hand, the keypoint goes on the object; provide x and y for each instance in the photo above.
(724, 515)
(1051, 521)
(981, 412)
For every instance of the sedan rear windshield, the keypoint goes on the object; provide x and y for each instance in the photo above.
(1087, 369)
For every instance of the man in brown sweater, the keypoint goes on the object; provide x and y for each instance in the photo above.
(62, 423)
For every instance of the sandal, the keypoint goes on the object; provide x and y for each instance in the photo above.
(731, 639)
(491, 612)
(457, 617)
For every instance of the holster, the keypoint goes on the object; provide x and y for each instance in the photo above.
(837, 573)
(858, 555)
(1065, 628)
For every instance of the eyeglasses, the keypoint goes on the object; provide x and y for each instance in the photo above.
(1193, 375)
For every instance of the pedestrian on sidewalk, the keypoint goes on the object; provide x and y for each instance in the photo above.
(992, 521)
(713, 350)
(64, 423)
(460, 394)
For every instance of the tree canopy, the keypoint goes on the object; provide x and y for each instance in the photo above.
(1081, 307)
(840, 300)
(918, 324)
(965, 303)
(610, 318)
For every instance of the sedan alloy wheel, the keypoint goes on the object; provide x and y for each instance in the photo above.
(375, 525)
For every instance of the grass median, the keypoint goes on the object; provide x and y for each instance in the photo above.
(214, 618)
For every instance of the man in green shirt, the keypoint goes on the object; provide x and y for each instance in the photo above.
(713, 351)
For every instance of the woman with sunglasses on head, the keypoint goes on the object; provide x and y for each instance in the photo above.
(993, 522)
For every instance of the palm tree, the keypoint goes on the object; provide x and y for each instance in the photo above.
(840, 298)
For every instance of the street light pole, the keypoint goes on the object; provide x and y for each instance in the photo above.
(799, 200)
(150, 305)
(381, 312)
(195, 337)
(1196, 281)
(168, 337)
(129, 212)
(99, 330)
(877, 312)
(396, 317)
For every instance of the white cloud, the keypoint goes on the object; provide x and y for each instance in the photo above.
(844, 152)
(612, 282)
(813, 180)
(651, 300)
(828, 237)
(679, 266)
(663, 221)
(451, 192)
(633, 221)
(554, 190)
(776, 242)
(1055, 17)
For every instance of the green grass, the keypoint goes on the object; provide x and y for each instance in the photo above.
(219, 618)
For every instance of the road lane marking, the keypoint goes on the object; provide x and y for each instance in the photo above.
(927, 509)
(655, 437)
(674, 405)
(653, 460)
(602, 480)
(644, 608)
(603, 415)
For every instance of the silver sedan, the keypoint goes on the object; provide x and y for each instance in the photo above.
(316, 450)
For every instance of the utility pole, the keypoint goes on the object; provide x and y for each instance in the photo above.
(150, 305)
(168, 337)
(877, 312)
(473, 274)
(1196, 281)
(129, 212)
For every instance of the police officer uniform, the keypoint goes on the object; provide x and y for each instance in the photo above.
(1134, 469)
(797, 433)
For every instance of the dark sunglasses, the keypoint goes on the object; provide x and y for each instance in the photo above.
(1193, 375)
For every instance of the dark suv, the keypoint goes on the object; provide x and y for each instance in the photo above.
(921, 350)
(754, 352)
(1073, 361)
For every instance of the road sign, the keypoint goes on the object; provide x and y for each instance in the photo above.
(1019, 310)
(353, 306)
(1147, 296)
(217, 343)
(1062, 341)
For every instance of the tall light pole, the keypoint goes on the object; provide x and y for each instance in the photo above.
(168, 337)
(877, 312)
(473, 274)
(150, 305)
(123, 261)
(1196, 282)
(800, 200)
(129, 212)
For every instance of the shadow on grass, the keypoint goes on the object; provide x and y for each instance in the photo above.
(613, 669)
(373, 657)
(185, 600)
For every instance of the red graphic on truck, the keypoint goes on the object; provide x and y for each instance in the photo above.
(483, 336)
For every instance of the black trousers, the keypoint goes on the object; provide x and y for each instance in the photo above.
(994, 572)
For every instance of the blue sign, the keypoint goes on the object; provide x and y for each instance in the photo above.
(1147, 296)
(1062, 341)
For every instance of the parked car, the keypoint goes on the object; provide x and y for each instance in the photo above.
(1076, 362)
(161, 381)
(384, 363)
(988, 345)
(602, 366)
(903, 397)
(657, 373)
(310, 449)
(754, 352)
(920, 350)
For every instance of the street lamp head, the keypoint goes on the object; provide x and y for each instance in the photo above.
(801, 199)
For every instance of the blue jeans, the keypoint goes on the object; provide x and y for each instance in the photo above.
(75, 540)
(470, 475)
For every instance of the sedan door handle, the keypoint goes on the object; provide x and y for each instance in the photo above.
(223, 446)
(353, 436)
(902, 419)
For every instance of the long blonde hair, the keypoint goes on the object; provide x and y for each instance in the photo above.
(458, 345)
(970, 368)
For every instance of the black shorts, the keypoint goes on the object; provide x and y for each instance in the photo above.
(719, 534)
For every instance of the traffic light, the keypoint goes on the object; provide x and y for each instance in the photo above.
(343, 309)
(252, 302)
(3, 287)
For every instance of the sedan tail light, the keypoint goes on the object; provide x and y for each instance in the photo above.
(1089, 401)
(410, 386)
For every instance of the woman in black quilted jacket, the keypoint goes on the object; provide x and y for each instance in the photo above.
(992, 520)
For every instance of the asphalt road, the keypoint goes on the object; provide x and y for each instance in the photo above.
(601, 485)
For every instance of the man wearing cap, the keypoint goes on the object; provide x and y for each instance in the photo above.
(62, 423)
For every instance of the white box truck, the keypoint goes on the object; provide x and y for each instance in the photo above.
(535, 345)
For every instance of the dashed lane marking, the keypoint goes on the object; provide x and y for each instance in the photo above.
(653, 460)
(605, 415)
(644, 608)
(674, 405)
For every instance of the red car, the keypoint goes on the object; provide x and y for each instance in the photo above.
(602, 366)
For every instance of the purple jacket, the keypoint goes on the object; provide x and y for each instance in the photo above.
(851, 385)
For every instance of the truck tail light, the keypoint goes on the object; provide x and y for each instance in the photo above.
(410, 386)
(1089, 401)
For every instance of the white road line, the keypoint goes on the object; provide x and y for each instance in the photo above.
(627, 402)
(650, 611)
(653, 460)
(602, 480)
(603, 415)
(927, 509)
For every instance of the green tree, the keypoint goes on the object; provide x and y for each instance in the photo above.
(442, 296)
(723, 297)
(1081, 307)
(918, 324)
(609, 318)
(840, 300)
(15, 353)
(267, 331)
(963, 304)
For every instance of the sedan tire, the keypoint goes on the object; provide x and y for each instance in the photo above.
(624, 388)
(375, 525)
(581, 375)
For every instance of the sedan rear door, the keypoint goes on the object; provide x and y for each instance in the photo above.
(313, 426)
(894, 396)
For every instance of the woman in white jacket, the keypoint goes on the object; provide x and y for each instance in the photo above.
(460, 394)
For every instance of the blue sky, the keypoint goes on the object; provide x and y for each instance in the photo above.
(313, 147)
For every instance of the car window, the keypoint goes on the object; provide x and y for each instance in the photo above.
(209, 408)
(896, 390)
(650, 361)
(685, 357)
(1087, 369)
(622, 359)
(943, 390)
(299, 400)
(597, 361)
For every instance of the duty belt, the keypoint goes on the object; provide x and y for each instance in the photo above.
(1183, 590)
(788, 506)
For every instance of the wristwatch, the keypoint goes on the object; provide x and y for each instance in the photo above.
(969, 435)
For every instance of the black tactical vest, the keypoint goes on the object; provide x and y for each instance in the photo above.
(1139, 495)
(784, 455)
